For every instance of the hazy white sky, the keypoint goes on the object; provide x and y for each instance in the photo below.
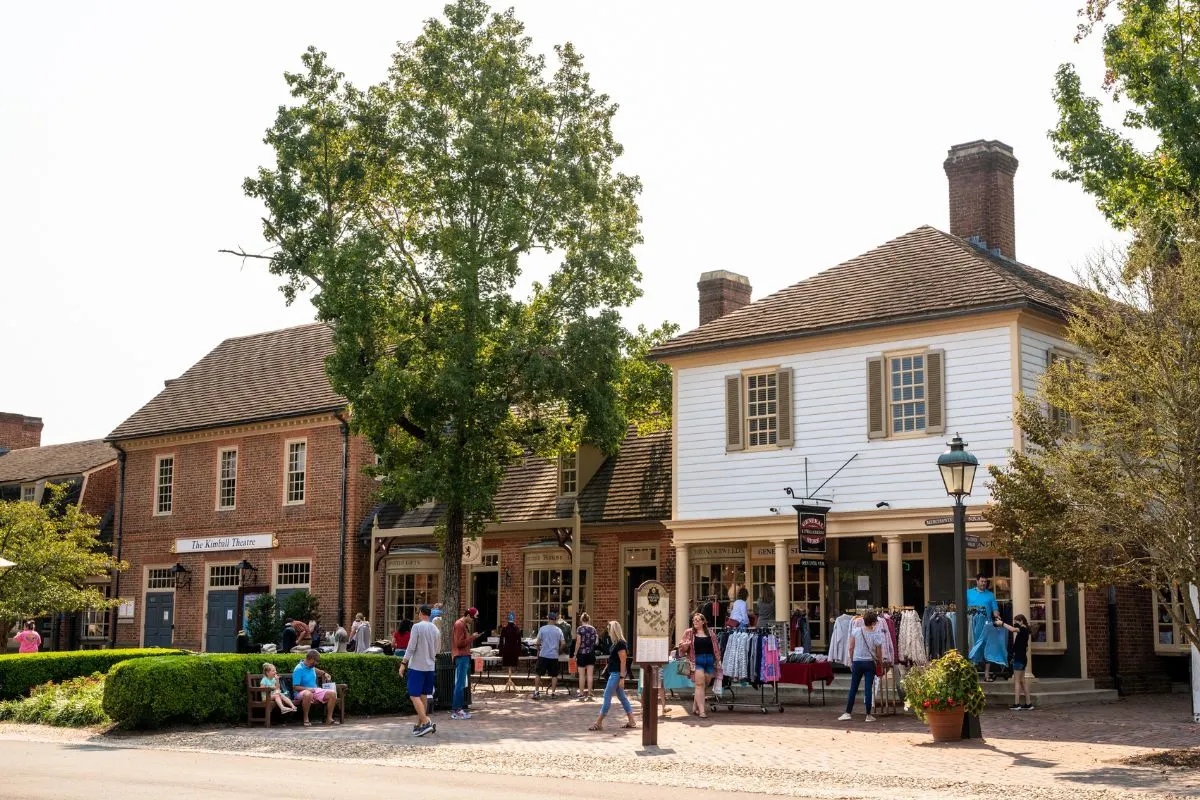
(774, 140)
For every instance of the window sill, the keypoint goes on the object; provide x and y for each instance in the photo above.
(293, 502)
(162, 513)
(226, 508)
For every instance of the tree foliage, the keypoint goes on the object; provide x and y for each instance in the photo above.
(263, 621)
(410, 207)
(56, 549)
(1107, 489)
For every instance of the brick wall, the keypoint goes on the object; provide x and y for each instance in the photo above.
(981, 193)
(308, 531)
(1140, 668)
(101, 493)
(18, 430)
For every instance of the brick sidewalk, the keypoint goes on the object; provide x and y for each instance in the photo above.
(1071, 746)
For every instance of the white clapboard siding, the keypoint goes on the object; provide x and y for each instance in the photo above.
(830, 408)
(1034, 346)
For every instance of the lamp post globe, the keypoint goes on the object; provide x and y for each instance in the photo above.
(957, 467)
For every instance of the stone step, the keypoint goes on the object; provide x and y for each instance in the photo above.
(1001, 699)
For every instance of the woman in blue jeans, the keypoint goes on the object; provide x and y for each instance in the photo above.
(617, 657)
(866, 648)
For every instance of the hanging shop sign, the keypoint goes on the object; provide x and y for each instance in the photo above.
(974, 542)
(950, 520)
(472, 555)
(254, 541)
(653, 623)
(810, 526)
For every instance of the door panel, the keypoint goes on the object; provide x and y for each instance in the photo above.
(221, 636)
(159, 630)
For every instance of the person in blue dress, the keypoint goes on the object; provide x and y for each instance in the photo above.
(989, 640)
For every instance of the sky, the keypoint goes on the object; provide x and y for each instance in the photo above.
(772, 139)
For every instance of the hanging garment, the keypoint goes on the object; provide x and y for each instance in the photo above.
(770, 671)
(839, 640)
(990, 641)
(911, 640)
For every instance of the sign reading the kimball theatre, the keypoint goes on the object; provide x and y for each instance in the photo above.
(653, 623)
(253, 541)
(810, 526)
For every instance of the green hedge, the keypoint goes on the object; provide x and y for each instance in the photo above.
(150, 692)
(20, 672)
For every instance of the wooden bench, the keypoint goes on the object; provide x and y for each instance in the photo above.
(258, 698)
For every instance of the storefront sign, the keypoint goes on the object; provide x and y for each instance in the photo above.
(974, 543)
(417, 564)
(717, 553)
(472, 552)
(548, 558)
(653, 623)
(950, 520)
(812, 562)
(254, 541)
(810, 526)
(768, 553)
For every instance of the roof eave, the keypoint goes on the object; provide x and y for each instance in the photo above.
(227, 424)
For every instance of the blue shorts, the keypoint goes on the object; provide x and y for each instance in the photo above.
(420, 684)
(706, 663)
(1018, 665)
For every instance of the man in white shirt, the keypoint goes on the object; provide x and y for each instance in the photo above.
(418, 662)
(550, 641)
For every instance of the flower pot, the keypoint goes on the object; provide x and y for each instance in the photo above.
(946, 726)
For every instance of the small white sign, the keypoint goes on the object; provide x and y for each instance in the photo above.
(166, 616)
(652, 649)
(864, 583)
(125, 610)
(253, 541)
(229, 614)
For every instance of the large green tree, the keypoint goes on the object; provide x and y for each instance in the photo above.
(56, 549)
(1149, 164)
(410, 208)
(1107, 490)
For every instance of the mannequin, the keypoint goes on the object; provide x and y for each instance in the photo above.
(510, 649)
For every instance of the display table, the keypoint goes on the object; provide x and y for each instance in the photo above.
(806, 675)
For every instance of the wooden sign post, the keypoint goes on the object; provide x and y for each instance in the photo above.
(653, 645)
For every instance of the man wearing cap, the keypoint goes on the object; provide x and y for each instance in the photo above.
(550, 643)
(418, 663)
(460, 647)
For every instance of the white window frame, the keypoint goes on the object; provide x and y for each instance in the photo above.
(888, 403)
(287, 472)
(158, 486)
(1049, 596)
(275, 568)
(568, 474)
(818, 639)
(563, 606)
(1003, 595)
(166, 571)
(771, 419)
(1164, 623)
(228, 570)
(97, 616)
(430, 594)
(29, 492)
(221, 477)
(702, 573)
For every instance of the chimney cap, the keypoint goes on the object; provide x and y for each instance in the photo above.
(979, 147)
(723, 275)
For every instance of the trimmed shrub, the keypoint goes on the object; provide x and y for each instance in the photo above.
(77, 703)
(20, 672)
(150, 692)
(264, 621)
(299, 605)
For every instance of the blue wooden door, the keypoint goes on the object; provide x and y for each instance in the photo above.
(159, 629)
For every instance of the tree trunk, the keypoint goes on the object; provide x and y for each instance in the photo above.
(451, 572)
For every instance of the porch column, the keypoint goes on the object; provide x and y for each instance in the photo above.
(895, 569)
(683, 579)
(1020, 597)
(783, 583)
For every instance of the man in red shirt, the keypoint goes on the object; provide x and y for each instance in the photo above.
(460, 648)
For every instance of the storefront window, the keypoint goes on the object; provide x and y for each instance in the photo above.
(1046, 614)
(713, 581)
(549, 590)
(761, 576)
(407, 592)
(1168, 638)
(808, 594)
(998, 571)
(95, 621)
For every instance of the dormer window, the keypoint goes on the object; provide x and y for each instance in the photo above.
(568, 473)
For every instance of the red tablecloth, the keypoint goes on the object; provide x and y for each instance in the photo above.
(806, 674)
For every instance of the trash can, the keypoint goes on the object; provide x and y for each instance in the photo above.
(443, 683)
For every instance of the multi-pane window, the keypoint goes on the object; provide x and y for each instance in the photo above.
(568, 473)
(406, 593)
(761, 410)
(158, 578)
(761, 576)
(94, 625)
(227, 479)
(490, 560)
(297, 460)
(909, 548)
(907, 382)
(28, 493)
(1046, 614)
(549, 590)
(293, 574)
(808, 594)
(1059, 417)
(164, 494)
(222, 576)
(998, 571)
(712, 581)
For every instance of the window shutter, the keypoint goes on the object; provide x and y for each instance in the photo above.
(783, 407)
(876, 421)
(733, 413)
(935, 390)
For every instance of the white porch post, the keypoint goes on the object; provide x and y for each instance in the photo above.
(1193, 595)
(783, 583)
(683, 580)
(1020, 597)
(895, 570)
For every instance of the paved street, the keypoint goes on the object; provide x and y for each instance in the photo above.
(1073, 752)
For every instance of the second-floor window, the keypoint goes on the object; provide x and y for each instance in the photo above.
(906, 394)
(906, 378)
(297, 463)
(227, 479)
(568, 473)
(1063, 419)
(758, 409)
(762, 410)
(165, 487)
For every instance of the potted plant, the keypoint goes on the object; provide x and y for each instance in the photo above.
(941, 693)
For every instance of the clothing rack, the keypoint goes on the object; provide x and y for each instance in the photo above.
(780, 631)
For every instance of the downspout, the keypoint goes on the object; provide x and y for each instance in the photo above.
(341, 613)
(120, 530)
(1114, 662)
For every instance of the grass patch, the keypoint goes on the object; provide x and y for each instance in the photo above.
(1186, 758)
(77, 703)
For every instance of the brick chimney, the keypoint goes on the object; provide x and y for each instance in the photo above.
(722, 292)
(18, 430)
(981, 194)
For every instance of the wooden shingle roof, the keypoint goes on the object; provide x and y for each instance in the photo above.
(28, 464)
(248, 379)
(924, 274)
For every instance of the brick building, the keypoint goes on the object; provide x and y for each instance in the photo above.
(89, 471)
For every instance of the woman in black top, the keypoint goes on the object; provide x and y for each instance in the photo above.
(1020, 658)
(616, 678)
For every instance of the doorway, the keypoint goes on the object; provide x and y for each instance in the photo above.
(159, 627)
(634, 577)
(914, 584)
(222, 627)
(485, 594)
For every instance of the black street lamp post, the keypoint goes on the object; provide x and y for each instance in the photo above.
(957, 467)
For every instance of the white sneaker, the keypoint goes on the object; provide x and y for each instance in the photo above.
(845, 718)
(869, 718)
